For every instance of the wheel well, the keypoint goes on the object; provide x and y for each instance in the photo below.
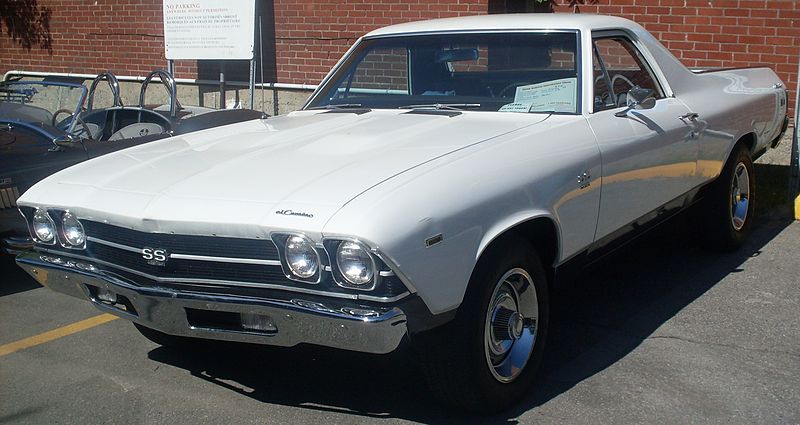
(542, 234)
(748, 140)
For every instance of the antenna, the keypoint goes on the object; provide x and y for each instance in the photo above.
(261, 60)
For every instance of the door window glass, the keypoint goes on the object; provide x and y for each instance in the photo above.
(624, 68)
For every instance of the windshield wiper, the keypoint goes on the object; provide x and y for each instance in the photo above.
(450, 106)
(338, 106)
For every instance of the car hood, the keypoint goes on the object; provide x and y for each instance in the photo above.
(293, 170)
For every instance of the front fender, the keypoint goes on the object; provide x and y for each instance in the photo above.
(513, 221)
(472, 196)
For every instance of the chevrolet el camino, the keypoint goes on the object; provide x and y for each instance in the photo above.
(442, 179)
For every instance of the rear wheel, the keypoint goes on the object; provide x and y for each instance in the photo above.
(486, 359)
(726, 214)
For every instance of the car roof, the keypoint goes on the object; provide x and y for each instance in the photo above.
(516, 21)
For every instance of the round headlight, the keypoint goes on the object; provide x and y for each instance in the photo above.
(73, 230)
(301, 257)
(43, 227)
(355, 263)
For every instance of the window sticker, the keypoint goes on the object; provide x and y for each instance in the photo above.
(549, 96)
(515, 107)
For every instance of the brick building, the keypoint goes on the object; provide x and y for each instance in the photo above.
(301, 40)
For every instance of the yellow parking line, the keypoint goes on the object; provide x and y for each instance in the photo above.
(797, 208)
(55, 334)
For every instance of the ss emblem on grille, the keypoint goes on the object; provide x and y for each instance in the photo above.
(155, 256)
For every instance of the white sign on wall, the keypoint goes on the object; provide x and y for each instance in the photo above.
(209, 29)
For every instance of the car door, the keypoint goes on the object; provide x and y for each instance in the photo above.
(649, 155)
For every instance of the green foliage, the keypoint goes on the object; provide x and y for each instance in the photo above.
(27, 23)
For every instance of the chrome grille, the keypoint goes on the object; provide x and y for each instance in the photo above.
(185, 244)
(223, 262)
(182, 269)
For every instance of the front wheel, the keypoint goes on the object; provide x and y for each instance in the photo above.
(511, 325)
(486, 359)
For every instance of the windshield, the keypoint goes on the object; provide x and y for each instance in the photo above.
(506, 72)
(39, 102)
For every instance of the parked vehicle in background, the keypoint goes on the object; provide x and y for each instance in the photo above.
(443, 178)
(46, 126)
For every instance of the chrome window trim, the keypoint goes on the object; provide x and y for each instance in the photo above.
(579, 107)
(475, 31)
(647, 57)
(217, 283)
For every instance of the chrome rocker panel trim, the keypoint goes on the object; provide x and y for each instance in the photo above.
(297, 321)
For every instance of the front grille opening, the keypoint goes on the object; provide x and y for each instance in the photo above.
(263, 249)
(237, 277)
(231, 322)
(112, 299)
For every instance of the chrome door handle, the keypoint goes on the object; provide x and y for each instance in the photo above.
(689, 116)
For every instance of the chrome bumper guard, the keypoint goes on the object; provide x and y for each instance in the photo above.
(175, 312)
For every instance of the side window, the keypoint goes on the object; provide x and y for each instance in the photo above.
(624, 68)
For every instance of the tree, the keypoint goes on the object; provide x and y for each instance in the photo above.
(26, 23)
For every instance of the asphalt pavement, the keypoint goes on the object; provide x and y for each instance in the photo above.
(664, 332)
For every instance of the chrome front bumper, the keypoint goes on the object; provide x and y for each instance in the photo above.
(203, 315)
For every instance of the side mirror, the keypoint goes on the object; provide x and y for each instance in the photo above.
(639, 98)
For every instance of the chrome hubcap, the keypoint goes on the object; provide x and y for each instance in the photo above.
(510, 331)
(740, 196)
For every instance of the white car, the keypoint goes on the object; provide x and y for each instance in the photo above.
(442, 179)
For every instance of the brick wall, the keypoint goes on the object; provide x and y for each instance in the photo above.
(383, 69)
(718, 33)
(126, 36)
(311, 36)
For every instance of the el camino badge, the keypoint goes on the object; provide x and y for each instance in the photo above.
(155, 256)
(295, 213)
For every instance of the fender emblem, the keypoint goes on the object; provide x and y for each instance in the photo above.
(584, 180)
